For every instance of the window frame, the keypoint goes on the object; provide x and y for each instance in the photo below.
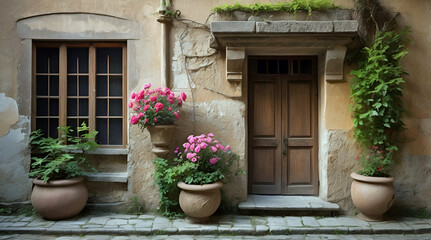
(62, 46)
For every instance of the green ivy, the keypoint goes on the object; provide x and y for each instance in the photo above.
(54, 159)
(377, 91)
(293, 7)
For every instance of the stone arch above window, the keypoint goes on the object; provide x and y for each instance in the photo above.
(77, 26)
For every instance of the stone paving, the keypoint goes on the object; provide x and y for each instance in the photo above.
(118, 224)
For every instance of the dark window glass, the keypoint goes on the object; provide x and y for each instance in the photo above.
(53, 86)
(115, 131)
(284, 66)
(115, 56)
(71, 107)
(77, 60)
(115, 107)
(115, 86)
(102, 128)
(53, 124)
(71, 86)
(272, 66)
(47, 58)
(295, 67)
(101, 86)
(42, 123)
(83, 107)
(83, 86)
(72, 123)
(42, 85)
(53, 107)
(261, 66)
(305, 66)
(101, 107)
(41, 107)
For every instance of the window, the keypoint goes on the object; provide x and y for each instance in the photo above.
(81, 82)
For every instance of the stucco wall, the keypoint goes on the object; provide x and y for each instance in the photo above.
(200, 72)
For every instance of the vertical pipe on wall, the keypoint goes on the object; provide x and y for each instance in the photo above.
(164, 20)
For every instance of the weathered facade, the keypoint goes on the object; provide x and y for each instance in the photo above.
(209, 58)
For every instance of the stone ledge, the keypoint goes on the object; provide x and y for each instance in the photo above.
(295, 27)
(233, 27)
(119, 177)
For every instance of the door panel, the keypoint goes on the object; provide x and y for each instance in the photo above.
(265, 136)
(283, 127)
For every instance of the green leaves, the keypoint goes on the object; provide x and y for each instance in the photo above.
(376, 91)
(53, 159)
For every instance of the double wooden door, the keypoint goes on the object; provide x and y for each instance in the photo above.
(283, 125)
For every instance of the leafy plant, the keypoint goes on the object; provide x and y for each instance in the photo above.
(155, 107)
(377, 90)
(5, 211)
(64, 157)
(375, 162)
(293, 7)
(137, 207)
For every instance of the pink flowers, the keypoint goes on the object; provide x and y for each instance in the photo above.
(158, 107)
(213, 160)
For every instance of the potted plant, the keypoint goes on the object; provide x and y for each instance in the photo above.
(201, 165)
(157, 109)
(58, 166)
(376, 91)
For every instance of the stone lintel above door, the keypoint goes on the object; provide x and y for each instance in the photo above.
(240, 38)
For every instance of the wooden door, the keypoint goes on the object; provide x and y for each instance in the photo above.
(283, 126)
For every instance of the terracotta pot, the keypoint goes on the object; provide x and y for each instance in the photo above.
(372, 196)
(59, 199)
(200, 201)
(161, 136)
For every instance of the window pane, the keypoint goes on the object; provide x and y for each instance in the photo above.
(101, 86)
(115, 60)
(77, 60)
(102, 128)
(295, 67)
(83, 86)
(272, 66)
(41, 107)
(83, 107)
(115, 86)
(115, 131)
(53, 107)
(47, 58)
(284, 66)
(42, 123)
(305, 66)
(101, 107)
(71, 86)
(71, 107)
(72, 123)
(53, 124)
(42, 85)
(261, 66)
(115, 108)
(53, 86)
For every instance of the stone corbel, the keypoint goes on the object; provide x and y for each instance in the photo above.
(335, 63)
(234, 67)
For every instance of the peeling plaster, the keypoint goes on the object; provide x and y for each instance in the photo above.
(8, 114)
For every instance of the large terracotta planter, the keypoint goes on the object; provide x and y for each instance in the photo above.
(161, 136)
(59, 199)
(200, 201)
(372, 196)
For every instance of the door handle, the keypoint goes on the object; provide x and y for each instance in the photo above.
(285, 146)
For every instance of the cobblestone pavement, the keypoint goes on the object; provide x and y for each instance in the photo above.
(220, 237)
(233, 225)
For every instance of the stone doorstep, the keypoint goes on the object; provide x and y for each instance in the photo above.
(287, 206)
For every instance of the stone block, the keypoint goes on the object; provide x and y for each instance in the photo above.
(294, 221)
(328, 222)
(345, 26)
(294, 27)
(117, 222)
(310, 222)
(98, 220)
(233, 27)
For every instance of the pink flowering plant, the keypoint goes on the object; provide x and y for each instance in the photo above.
(203, 159)
(375, 162)
(155, 107)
